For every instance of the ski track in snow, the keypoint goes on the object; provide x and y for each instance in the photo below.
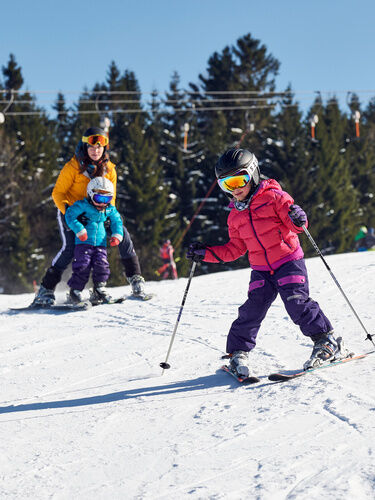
(85, 412)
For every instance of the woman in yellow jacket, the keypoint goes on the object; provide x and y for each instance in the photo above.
(91, 160)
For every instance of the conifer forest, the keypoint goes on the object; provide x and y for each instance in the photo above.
(165, 145)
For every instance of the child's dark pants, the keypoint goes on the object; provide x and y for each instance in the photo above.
(87, 257)
(291, 282)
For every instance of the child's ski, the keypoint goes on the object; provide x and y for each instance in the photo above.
(119, 300)
(290, 374)
(242, 380)
(143, 296)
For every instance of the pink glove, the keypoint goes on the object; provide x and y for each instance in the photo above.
(113, 241)
(82, 235)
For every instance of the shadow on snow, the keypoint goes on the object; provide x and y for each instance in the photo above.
(197, 384)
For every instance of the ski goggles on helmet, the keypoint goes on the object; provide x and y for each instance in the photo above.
(101, 198)
(93, 140)
(232, 182)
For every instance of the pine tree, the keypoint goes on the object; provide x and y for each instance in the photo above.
(180, 154)
(142, 197)
(285, 156)
(361, 158)
(12, 74)
(246, 74)
(63, 130)
(32, 148)
(334, 202)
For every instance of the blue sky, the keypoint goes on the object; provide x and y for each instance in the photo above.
(322, 45)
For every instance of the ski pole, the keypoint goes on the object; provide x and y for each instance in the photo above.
(165, 365)
(369, 337)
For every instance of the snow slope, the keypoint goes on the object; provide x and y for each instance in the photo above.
(85, 412)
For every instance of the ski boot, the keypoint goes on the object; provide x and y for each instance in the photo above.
(239, 363)
(137, 283)
(75, 296)
(44, 298)
(99, 295)
(326, 350)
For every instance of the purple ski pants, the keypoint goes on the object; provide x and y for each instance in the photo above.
(291, 281)
(87, 257)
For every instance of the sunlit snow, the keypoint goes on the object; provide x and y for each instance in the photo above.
(85, 412)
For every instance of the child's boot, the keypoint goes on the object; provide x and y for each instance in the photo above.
(239, 363)
(326, 349)
(75, 296)
(99, 295)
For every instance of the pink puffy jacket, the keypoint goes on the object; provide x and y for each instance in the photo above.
(264, 229)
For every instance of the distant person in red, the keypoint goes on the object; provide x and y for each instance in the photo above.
(169, 265)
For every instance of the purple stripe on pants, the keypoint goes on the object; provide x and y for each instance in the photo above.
(291, 282)
(256, 284)
(291, 279)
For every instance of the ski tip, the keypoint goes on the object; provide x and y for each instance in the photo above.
(281, 377)
(278, 377)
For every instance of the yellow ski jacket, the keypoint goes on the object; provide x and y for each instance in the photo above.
(71, 184)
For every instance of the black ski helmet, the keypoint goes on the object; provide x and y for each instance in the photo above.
(238, 160)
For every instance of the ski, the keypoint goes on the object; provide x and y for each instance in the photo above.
(143, 296)
(119, 300)
(283, 376)
(82, 306)
(242, 380)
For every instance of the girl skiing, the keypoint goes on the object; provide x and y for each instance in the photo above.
(265, 222)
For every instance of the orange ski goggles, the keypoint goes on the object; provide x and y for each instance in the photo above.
(231, 183)
(94, 140)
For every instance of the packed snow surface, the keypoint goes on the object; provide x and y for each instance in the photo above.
(86, 412)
